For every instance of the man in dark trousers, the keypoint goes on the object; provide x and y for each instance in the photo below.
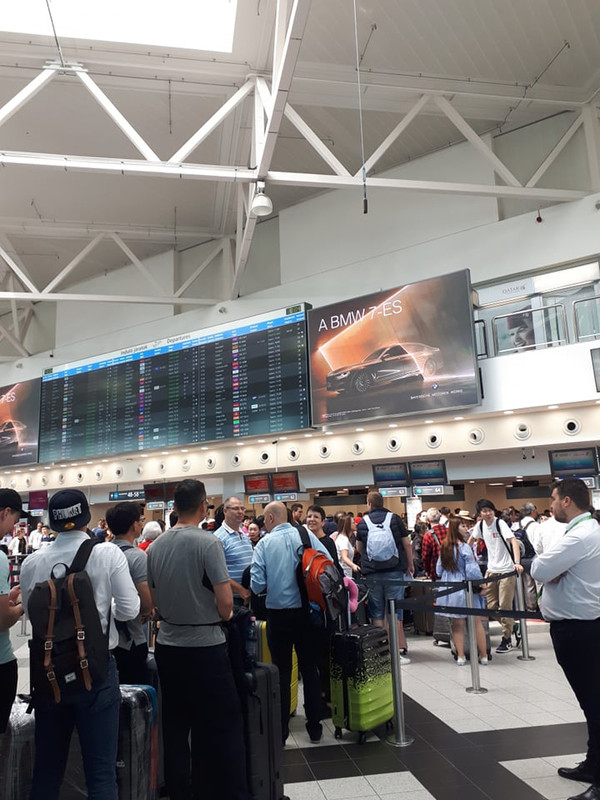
(276, 557)
(570, 572)
(190, 584)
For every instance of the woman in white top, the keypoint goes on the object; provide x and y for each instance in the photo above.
(345, 539)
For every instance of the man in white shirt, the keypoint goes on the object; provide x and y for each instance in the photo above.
(570, 572)
(95, 713)
(504, 558)
(546, 534)
(35, 538)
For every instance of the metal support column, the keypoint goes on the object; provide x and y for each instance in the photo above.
(399, 737)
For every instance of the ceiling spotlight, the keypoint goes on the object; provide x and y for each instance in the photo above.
(262, 205)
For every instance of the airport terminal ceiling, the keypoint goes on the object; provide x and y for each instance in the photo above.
(93, 133)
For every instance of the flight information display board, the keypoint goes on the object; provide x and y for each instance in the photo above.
(219, 383)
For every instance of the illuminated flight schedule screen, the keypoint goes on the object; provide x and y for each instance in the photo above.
(219, 383)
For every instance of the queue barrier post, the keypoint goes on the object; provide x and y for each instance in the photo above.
(23, 631)
(525, 655)
(476, 688)
(399, 737)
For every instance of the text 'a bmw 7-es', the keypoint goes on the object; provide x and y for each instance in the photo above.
(385, 365)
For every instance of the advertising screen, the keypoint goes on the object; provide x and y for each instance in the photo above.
(579, 463)
(219, 383)
(19, 423)
(257, 484)
(285, 481)
(402, 351)
(390, 474)
(428, 473)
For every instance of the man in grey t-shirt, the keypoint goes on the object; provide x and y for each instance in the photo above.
(190, 584)
(125, 521)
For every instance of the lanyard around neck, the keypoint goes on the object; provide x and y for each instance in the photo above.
(581, 519)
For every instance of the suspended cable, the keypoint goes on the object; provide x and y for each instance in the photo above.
(58, 47)
(360, 114)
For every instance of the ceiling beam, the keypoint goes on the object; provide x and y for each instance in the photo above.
(113, 112)
(73, 263)
(556, 151)
(143, 269)
(55, 297)
(57, 229)
(591, 129)
(276, 178)
(217, 118)
(471, 136)
(314, 141)
(214, 252)
(395, 134)
(25, 95)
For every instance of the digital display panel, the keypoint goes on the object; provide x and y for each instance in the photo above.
(428, 473)
(285, 481)
(579, 463)
(257, 484)
(220, 383)
(390, 474)
(401, 351)
(19, 423)
(154, 492)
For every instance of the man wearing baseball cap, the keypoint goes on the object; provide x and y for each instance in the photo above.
(11, 609)
(95, 713)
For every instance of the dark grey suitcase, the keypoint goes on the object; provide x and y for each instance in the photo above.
(16, 753)
(262, 729)
(422, 617)
(442, 632)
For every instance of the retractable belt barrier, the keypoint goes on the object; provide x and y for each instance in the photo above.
(429, 601)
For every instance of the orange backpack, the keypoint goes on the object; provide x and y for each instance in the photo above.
(320, 581)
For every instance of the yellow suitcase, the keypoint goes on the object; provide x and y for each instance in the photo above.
(264, 654)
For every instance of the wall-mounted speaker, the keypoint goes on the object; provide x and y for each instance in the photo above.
(79, 477)
(186, 464)
(522, 431)
(433, 440)
(236, 460)
(264, 457)
(97, 475)
(162, 467)
(393, 444)
(119, 472)
(358, 448)
(61, 477)
(44, 480)
(139, 469)
(572, 426)
(476, 436)
(13, 483)
(211, 462)
(28, 481)
(324, 451)
(293, 454)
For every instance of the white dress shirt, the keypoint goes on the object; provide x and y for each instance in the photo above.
(575, 560)
(546, 534)
(108, 571)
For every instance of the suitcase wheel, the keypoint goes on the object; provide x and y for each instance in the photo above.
(338, 733)
(389, 725)
(362, 737)
(435, 642)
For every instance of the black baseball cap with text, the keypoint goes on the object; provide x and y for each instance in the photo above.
(11, 499)
(68, 510)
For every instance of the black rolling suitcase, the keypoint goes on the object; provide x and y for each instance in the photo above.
(423, 616)
(262, 730)
(137, 754)
(16, 753)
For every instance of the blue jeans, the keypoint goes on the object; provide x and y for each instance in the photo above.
(380, 592)
(96, 716)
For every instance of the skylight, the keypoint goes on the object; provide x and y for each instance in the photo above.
(196, 24)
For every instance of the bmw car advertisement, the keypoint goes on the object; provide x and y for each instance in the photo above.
(19, 422)
(403, 351)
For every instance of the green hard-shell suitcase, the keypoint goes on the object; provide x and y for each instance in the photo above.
(361, 680)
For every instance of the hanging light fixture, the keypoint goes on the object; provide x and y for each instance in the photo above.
(262, 205)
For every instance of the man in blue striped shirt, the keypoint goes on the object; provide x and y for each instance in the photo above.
(237, 546)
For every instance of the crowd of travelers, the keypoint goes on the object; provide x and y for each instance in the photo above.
(187, 578)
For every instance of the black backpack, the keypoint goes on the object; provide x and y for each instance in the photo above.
(68, 649)
(525, 545)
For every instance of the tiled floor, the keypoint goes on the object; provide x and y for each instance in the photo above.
(503, 745)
